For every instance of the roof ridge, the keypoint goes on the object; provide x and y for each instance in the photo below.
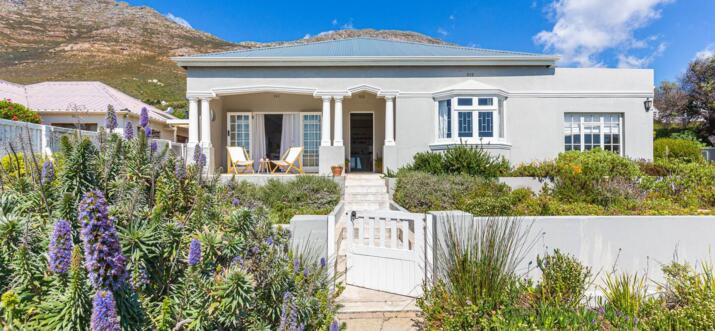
(450, 46)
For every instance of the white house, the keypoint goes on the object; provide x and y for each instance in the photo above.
(378, 102)
(83, 105)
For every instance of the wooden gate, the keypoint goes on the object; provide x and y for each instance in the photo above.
(386, 251)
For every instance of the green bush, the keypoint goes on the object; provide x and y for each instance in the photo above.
(304, 195)
(16, 112)
(563, 280)
(677, 149)
(460, 159)
(546, 169)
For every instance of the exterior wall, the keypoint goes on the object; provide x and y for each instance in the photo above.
(537, 100)
(100, 119)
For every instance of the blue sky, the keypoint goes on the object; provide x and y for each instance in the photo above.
(660, 34)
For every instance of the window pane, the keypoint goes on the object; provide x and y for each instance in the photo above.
(486, 101)
(464, 101)
(445, 119)
(598, 131)
(465, 124)
(311, 140)
(486, 124)
(238, 130)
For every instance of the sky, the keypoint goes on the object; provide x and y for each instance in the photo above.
(661, 34)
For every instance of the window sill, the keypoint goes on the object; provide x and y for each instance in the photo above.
(492, 144)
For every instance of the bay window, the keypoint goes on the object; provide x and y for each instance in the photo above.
(474, 119)
(584, 131)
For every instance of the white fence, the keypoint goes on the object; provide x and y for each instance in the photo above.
(709, 153)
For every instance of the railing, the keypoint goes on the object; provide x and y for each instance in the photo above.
(709, 153)
(179, 149)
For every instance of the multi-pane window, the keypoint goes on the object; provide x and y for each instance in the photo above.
(465, 124)
(239, 130)
(311, 139)
(583, 132)
(486, 124)
(471, 118)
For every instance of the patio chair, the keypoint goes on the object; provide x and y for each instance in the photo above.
(291, 159)
(239, 159)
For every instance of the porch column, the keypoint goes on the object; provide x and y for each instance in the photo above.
(193, 121)
(206, 122)
(389, 121)
(338, 134)
(325, 127)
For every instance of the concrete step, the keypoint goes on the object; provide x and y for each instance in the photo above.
(366, 197)
(363, 183)
(366, 189)
(371, 206)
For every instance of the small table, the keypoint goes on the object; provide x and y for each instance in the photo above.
(264, 166)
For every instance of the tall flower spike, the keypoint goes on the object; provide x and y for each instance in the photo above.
(179, 169)
(147, 131)
(104, 312)
(48, 172)
(144, 117)
(287, 297)
(60, 250)
(202, 160)
(334, 326)
(111, 120)
(129, 131)
(153, 146)
(102, 252)
(194, 252)
(197, 153)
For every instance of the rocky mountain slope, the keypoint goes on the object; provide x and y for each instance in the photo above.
(125, 46)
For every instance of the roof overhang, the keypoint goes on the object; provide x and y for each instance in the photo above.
(348, 61)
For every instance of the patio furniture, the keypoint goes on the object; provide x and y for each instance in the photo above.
(238, 157)
(264, 166)
(291, 159)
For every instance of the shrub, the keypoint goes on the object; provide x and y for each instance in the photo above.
(563, 280)
(677, 149)
(304, 195)
(625, 293)
(688, 135)
(16, 112)
(460, 159)
(546, 169)
(428, 162)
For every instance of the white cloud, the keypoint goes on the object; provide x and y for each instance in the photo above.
(442, 31)
(584, 29)
(348, 25)
(334, 21)
(451, 17)
(631, 61)
(708, 52)
(179, 20)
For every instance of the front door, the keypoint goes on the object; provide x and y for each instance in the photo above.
(361, 142)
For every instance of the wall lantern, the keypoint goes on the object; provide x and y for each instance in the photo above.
(648, 104)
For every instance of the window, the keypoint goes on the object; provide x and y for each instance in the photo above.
(473, 119)
(239, 130)
(465, 124)
(311, 139)
(445, 119)
(583, 132)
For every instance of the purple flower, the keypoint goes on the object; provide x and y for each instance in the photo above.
(147, 131)
(322, 262)
(235, 202)
(296, 265)
(179, 170)
(140, 278)
(153, 146)
(287, 297)
(306, 272)
(60, 250)
(293, 315)
(102, 252)
(111, 120)
(194, 252)
(144, 117)
(104, 312)
(255, 250)
(334, 326)
(48, 172)
(197, 153)
(202, 160)
(269, 241)
(237, 260)
(301, 327)
(129, 131)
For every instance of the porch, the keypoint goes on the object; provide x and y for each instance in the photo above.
(349, 128)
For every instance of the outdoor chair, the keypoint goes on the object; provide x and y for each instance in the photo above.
(239, 159)
(291, 159)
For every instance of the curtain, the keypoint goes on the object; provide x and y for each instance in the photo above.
(290, 133)
(258, 143)
(445, 125)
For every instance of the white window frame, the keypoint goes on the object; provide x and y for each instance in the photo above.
(475, 108)
(302, 135)
(602, 125)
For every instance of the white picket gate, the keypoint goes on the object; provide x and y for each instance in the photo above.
(386, 251)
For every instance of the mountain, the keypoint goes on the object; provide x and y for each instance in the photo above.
(127, 47)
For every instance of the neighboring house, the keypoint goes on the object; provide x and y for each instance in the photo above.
(378, 102)
(83, 105)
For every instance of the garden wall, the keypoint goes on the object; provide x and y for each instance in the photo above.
(262, 179)
(629, 243)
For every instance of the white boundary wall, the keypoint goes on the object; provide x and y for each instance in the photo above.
(629, 243)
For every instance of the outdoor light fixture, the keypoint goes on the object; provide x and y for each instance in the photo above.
(648, 104)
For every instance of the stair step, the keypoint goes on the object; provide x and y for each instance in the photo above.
(366, 189)
(366, 206)
(364, 184)
(361, 197)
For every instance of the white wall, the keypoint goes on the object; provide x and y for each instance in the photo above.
(100, 119)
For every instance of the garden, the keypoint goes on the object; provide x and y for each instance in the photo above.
(125, 236)
(596, 182)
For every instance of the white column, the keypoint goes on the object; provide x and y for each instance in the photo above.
(325, 127)
(206, 122)
(193, 121)
(338, 134)
(389, 121)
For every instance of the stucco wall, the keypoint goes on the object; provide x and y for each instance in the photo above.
(538, 98)
(100, 118)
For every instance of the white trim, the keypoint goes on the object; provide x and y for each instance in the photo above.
(220, 91)
(469, 92)
(302, 137)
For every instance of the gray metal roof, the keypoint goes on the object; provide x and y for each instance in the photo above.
(364, 47)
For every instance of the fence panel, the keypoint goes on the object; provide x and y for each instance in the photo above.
(709, 153)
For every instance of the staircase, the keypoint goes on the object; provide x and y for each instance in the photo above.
(366, 192)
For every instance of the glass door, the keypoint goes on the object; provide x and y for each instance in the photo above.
(311, 141)
(239, 130)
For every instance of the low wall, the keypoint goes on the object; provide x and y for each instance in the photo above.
(532, 183)
(315, 234)
(629, 243)
(262, 179)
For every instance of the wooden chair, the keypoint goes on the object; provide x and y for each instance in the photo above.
(291, 159)
(238, 157)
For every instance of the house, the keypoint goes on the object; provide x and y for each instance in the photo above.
(83, 105)
(375, 103)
